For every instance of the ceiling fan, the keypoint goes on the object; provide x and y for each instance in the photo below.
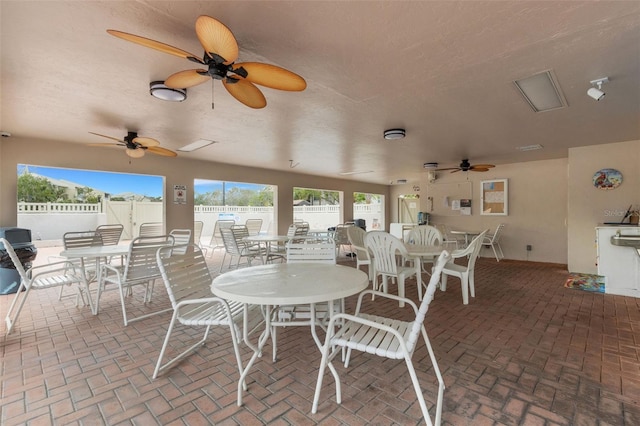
(135, 145)
(465, 166)
(220, 54)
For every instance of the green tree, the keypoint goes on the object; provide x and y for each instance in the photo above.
(34, 189)
(316, 196)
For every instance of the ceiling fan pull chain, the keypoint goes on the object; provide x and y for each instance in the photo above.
(212, 90)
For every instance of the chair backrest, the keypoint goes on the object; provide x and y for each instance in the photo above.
(314, 252)
(291, 232)
(424, 235)
(384, 248)
(81, 239)
(185, 275)
(356, 237)
(472, 250)
(110, 233)
(141, 259)
(180, 238)
(230, 242)
(254, 226)
(428, 297)
(219, 225)
(151, 229)
(198, 226)
(302, 228)
(341, 237)
(498, 233)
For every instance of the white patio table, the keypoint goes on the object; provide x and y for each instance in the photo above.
(287, 284)
(96, 253)
(417, 252)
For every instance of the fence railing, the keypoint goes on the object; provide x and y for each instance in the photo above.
(59, 208)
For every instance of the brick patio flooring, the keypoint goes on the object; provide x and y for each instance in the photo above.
(525, 351)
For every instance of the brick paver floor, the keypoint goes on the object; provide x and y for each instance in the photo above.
(525, 351)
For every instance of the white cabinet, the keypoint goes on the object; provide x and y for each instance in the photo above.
(619, 265)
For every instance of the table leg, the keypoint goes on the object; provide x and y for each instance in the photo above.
(257, 351)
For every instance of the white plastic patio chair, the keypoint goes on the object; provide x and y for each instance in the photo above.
(386, 337)
(57, 274)
(425, 235)
(187, 279)
(363, 256)
(464, 272)
(493, 242)
(140, 269)
(385, 247)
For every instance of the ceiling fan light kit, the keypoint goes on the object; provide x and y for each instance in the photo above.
(219, 63)
(159, 90)
(135, 153)
(392, 134)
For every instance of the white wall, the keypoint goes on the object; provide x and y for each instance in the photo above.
(589, 205)
(537, 207)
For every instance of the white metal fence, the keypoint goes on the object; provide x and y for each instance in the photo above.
(49, 221)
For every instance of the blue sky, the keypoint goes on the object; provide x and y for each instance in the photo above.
(117, 183)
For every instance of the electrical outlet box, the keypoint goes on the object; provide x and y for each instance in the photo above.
(529, 248)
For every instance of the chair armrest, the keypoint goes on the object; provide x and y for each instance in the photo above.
(387, 296)
(50, 268)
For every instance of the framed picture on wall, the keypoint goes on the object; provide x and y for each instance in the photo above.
(494, 197)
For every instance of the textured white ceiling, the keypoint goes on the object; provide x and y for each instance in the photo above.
(442, 70)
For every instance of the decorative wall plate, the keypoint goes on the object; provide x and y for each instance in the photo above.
(607, 179)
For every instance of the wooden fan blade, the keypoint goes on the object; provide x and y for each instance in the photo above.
(246, 92)
(161, 151)
(186, 79)
(272, 76)
(107, 145)
(147, 42)
(479, 169)
(148, 142)
(483, 166)
(216, 38)
(108, 137)
(456, 171)
(450, 168)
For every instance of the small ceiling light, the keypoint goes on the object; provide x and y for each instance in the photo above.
(160, 91)
(541, 91)
(401, 181)
(200, 143)
(135, 153)
(597, 94)
(394, 134)
(357, 172)
(430, 165)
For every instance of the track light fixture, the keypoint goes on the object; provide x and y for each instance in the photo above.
(597, 94)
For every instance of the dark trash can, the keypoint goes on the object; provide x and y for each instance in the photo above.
(20, 240)
(360, 223)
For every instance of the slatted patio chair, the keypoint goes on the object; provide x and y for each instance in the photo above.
(151, 229)
(254, 226)
(300, 315)
(110, 234)
(180, 238)
(493, 242)
(385, 337)
(235, 247)
(140, 270)
(57, 274)
(187, 279)
(198, 226)
(81, 239)
(216, 241)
